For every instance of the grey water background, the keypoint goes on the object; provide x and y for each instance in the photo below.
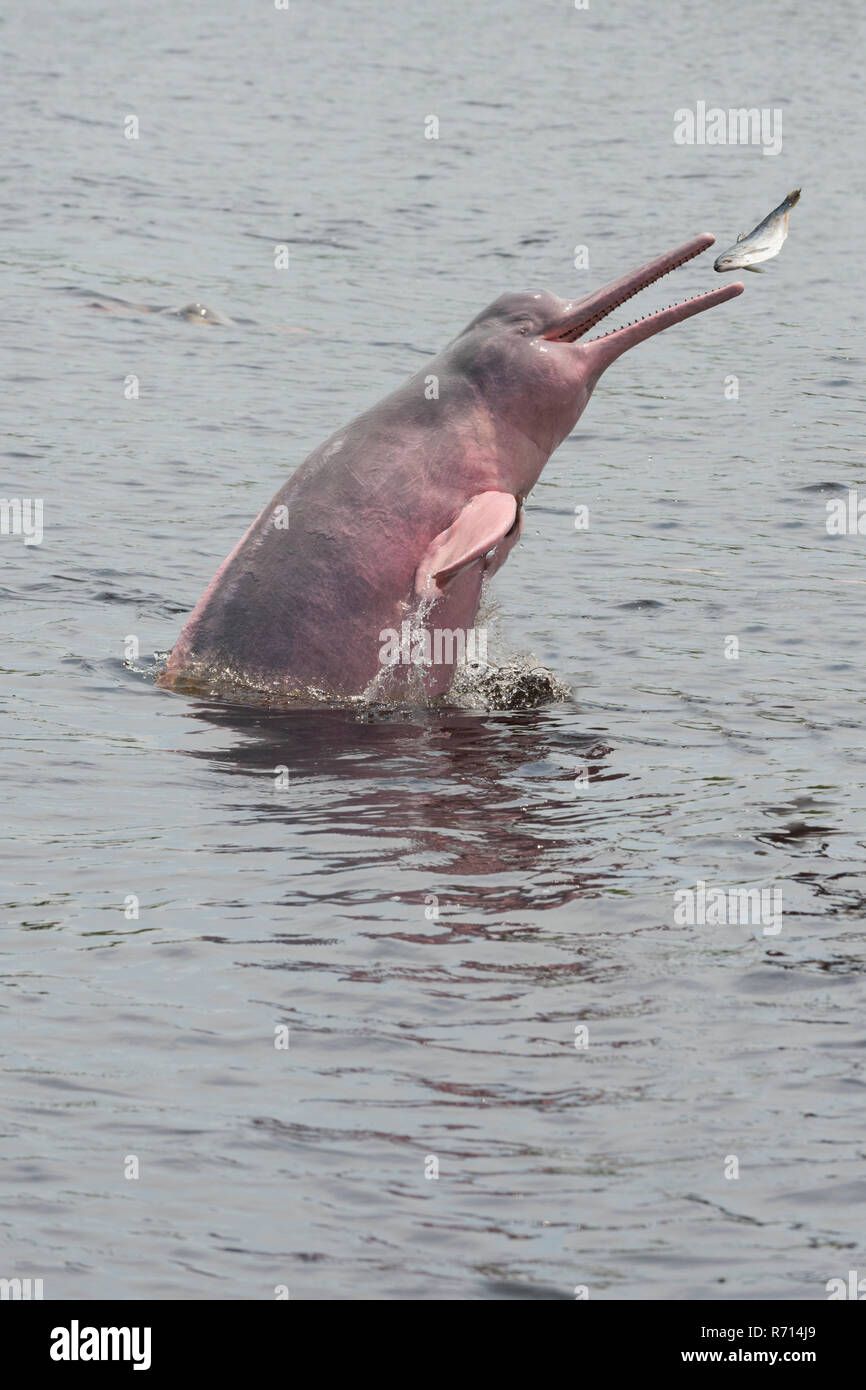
(414, 1034)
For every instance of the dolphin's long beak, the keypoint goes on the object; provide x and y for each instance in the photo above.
(583, 314)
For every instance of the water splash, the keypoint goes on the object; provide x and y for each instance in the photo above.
(512, 680)
(404, 680)
(520, 682)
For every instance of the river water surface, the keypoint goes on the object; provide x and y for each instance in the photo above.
(436, 900)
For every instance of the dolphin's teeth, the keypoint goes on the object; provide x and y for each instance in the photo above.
(580, 330)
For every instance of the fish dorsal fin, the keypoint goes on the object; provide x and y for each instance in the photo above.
(741, 237)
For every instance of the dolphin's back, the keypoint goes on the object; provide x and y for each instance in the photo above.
(330, 562)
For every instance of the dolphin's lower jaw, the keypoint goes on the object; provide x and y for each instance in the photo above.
(582, 315)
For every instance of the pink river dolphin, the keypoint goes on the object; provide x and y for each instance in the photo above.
(375, 550)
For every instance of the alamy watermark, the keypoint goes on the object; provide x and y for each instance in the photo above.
(853, 1288)
(739, 125)
(722, 907)
(846, 516)
(20, 1289)
(77, 1343)
(422, 646)
(22, 516)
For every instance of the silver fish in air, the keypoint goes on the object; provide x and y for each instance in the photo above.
(762, 243)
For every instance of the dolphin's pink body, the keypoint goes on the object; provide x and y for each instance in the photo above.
(415, 500)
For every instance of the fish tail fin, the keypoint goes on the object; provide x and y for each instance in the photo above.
(793, 198)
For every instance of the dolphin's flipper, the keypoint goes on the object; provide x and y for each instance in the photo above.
(485, 521)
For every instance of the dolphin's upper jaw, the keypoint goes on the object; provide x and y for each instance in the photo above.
(581, 316)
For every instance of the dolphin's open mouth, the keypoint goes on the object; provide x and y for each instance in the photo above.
(582, 315)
